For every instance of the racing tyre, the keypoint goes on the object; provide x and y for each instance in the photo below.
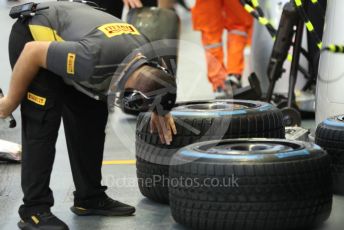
(250, 184)
(199, 121)
(330, 136)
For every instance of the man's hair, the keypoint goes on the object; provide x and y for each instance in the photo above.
(157, 83)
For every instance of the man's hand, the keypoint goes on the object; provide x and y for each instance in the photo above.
(165, 127)
(5, 107)
(132, 3)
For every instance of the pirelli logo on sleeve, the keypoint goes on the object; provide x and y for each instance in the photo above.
(36, 99)
(115, 29)
(70, 63)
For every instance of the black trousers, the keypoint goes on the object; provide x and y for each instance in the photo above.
(49, 99)
(115, 7)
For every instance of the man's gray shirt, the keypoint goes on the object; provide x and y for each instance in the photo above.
(88, 45)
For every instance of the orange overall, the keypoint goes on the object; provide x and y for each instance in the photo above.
(211, 17)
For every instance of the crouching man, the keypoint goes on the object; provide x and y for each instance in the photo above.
(71, 61)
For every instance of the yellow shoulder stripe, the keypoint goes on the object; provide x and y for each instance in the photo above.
(43, 33)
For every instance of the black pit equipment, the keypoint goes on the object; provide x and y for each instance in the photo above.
(25, 10)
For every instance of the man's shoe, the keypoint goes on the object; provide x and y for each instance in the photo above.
(104, 206)
(223, 93)
(234, 81)
(42, 221)
(220, 93)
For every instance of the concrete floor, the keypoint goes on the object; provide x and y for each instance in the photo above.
(119, 146)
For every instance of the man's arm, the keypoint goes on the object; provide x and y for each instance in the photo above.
(32, 58)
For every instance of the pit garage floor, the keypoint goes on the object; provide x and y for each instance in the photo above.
(119, 169)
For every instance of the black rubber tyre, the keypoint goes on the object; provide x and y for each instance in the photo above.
(153, 180)
(200, 121)
(330, 136)
(250, 184)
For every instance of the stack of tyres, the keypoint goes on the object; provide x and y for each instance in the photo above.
(330, 136)
(199, 121)
(246, 184)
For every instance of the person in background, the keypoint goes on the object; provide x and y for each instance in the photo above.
(211, 17)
